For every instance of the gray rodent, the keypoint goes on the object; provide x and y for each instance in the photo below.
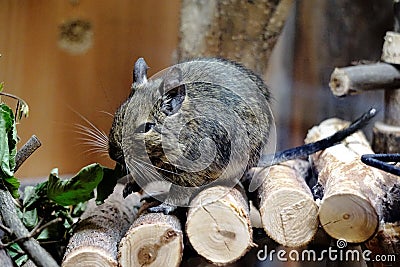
(167, 120)
(170, 100)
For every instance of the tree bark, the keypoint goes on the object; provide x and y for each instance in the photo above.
(218, 224)
(243, 31)
(154, 239)
(288, 212)
(5, 259)
(385, 243)
(99, 231)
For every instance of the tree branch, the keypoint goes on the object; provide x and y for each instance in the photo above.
(32, 247)
(26, 150)
(356, 79)
(11, 220)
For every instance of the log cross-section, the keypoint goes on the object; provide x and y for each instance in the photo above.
(96, 236)
(219, 229)
(154, 239)
(352, 202)
(288, 212)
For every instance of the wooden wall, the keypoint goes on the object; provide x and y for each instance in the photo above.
(55, 82)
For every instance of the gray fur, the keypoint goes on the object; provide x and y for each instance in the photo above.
(179, 106)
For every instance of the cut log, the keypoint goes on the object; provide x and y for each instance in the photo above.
(386, 138)
(352, 201)
(97, 234)
(154, 239)
(357, 79)
(219, 229)
(288, 212)
(391, 48)
(386, 241)
(385, 245)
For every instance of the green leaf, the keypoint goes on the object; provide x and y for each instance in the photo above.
(76, 189)
(7, 140)
(8, 149)
(34, 194)
(17, 254)
(54, 231)
(30, 218)
(79, 209)
(22, 260)
(107, 184)
(12, 184)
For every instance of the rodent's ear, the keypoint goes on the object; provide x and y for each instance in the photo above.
(172, 79)
(173, 99)
(172, 91)
(140, 72)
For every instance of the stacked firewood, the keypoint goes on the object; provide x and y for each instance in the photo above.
(221, 230)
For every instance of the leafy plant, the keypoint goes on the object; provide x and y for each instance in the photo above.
(48, 209)
(8, 149)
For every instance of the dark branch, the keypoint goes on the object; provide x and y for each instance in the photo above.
(311, 148)
(382, 162)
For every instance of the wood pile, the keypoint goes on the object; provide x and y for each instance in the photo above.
(221, 230)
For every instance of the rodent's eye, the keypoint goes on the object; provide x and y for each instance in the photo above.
(145, 127)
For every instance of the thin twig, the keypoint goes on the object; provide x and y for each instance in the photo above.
(26, 150)
(10, 217)
(37, 230)
(30, 246)
(6, 229)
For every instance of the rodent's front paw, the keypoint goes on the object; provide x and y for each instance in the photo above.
(162, 208)
(129, 188)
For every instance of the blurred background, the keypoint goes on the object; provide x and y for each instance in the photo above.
(63, 78)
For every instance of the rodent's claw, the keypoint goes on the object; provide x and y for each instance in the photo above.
(129, 188)
(162, 208)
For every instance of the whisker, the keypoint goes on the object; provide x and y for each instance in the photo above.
(107, 113)
(155, 176)
(96, 149)
(88, 141)
(85, 119)
(92, 139)
(93, 127)
(93, 151)
(91, 132)
(158, 168)
(152, 171)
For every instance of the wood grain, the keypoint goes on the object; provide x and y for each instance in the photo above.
(55, 82)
